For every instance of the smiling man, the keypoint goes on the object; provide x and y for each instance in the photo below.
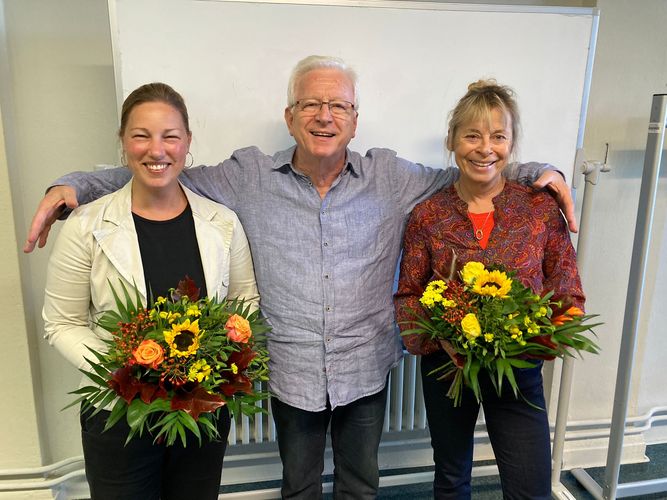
(325, 226)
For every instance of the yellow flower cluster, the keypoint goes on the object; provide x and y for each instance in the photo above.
(193, 311)
(433, 295)
(199, 371)
(169, 316)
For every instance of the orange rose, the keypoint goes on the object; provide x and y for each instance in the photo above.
(149, 354)
(238, 329)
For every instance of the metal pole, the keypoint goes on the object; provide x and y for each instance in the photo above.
(647, 196)
(591, 172)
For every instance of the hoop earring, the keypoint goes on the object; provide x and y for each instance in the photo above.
(192, 159)
(123, 159)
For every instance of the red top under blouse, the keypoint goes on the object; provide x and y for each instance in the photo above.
(482, 225)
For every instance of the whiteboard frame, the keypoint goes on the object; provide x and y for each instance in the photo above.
(571, 175)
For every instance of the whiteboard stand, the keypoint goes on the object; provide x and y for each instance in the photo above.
(611, 489)
(591, 171)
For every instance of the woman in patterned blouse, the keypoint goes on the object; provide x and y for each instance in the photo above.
(484, 218)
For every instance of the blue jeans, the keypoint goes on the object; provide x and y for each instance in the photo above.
(519, 434)
(142, 470)
(356, 429)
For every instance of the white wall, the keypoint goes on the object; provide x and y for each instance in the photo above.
(59, 115)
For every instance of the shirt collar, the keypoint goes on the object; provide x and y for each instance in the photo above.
(282, 162)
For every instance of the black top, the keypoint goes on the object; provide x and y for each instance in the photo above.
(169, 252)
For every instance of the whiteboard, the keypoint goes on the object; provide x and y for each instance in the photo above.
(231, 62)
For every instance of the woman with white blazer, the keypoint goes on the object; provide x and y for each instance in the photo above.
(148, 235)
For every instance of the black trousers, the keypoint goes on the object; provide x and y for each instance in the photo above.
(519, 434)
(356, 429)
(142, 470)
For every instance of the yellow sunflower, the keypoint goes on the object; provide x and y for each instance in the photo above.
(183, 338)
(492, 283)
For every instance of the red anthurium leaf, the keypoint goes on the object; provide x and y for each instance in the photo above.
(565, 303)
(161, 393)
(125, 384)
(196, 402)
(546, 341)
(188, 287)
(242, 359)
(149, 392)
(238, 383)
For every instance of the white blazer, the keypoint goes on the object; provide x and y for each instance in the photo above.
(98, 245)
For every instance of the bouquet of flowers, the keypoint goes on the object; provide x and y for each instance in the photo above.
(489, 321)
(171, 366)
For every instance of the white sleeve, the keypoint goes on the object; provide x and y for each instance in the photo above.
(241, 273)
(66, 311)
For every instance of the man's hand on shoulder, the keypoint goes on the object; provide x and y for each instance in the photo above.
(554, 182)
(48, 211)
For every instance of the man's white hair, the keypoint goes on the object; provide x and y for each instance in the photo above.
(311, 63)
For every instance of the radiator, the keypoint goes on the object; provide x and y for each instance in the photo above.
(404, 412)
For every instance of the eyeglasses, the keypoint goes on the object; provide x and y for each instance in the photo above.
(338, 108)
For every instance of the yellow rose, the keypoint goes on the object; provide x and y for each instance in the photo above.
(470, 272)
(470, 326)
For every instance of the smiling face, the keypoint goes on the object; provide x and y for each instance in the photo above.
(155, 141)
(322, 136)
(482, 147)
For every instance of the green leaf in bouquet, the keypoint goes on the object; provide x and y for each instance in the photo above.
(205, 422)
(97, 398)
(509, 306)
(190, 424)
(501, 367)
(521, 363)
(100, 370)
(118, 411)
(85, 393)
(138, 412)
(234, 406)
(472, 377)
(167, 428)
(181, 433)
(128, 306)
(101, 357)
(173, 425)
(109, 396)
(102, 382)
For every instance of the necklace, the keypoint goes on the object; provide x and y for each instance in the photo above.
(478, 231)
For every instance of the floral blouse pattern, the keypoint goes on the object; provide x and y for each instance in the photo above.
(530, 237)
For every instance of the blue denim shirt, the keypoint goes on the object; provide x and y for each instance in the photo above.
(324, 267)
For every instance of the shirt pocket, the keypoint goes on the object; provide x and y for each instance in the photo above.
(364, 231)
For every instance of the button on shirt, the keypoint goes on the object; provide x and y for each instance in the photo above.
(324, 267)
